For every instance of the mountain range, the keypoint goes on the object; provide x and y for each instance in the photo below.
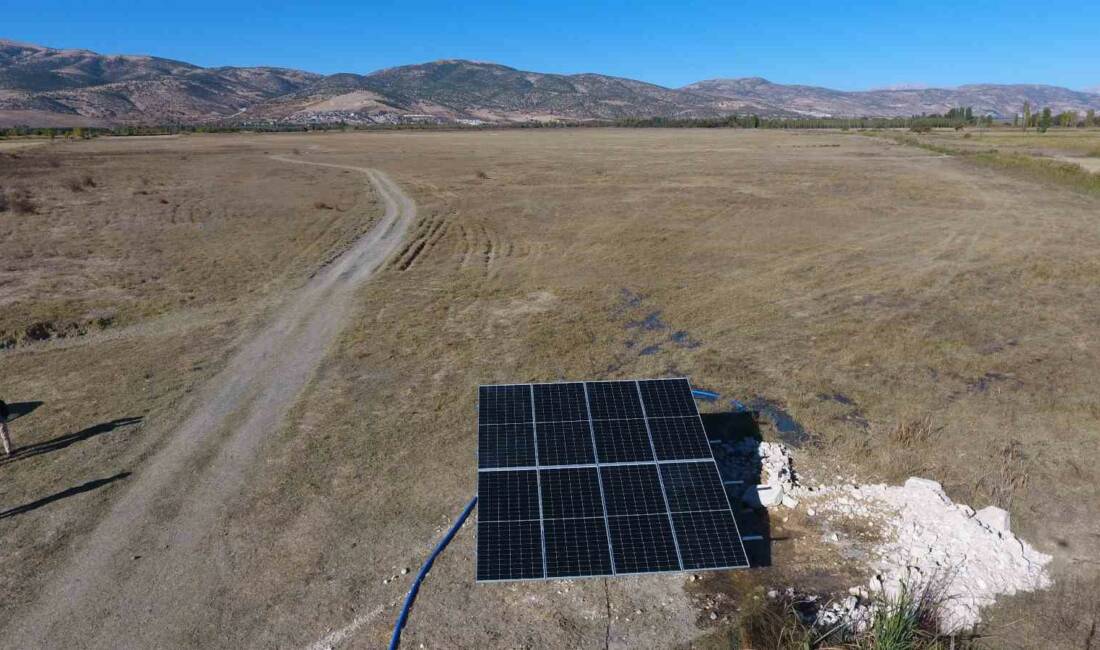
(41, 86)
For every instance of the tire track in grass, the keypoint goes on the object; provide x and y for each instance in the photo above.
(176, 509)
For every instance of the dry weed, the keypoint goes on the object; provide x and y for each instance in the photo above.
(914, 433)
(20, 201)
(1013, 473)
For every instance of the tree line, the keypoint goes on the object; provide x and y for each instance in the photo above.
(1044, 119)
(953, 118)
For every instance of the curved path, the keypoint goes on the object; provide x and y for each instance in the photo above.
(176, 504)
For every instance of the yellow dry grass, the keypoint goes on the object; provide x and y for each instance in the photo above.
(953, 308)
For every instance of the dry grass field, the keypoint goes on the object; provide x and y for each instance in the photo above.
(918, 314)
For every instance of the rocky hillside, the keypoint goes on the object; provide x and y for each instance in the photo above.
(44, 87)
(482, 91)
(41, 86)
(998, 100)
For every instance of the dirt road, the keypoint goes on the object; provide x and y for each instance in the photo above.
(151, 572)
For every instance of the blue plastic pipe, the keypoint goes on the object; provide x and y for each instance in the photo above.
(395, 640)
(704, 394)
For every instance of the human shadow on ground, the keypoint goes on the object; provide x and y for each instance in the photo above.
(727, 433)
(19, 453)
(79, 489)
(22, 409)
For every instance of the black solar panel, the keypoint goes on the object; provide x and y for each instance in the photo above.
(679, 438)
(560, 403)
(632, 490)
(566, 443)
(622, 441)
(598, 478)
(571, 493)
(577, 547)
(506, 445)
(613, 400)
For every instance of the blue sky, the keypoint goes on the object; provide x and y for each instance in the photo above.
(864, 45)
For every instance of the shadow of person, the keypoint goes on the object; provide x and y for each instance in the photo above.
(22, 409)
(19, 453)
(79, 489)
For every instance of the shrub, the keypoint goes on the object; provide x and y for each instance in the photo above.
(20, 201)
(482, 175)
(920, 128)
(87, 181)
(913, 433)
(73, 184)
(3, 201)
(908, 621)
(321, 205)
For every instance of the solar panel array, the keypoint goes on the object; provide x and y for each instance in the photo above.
(598, 478)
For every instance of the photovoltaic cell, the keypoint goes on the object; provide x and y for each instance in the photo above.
(668, 398)
(504, 404)
(598, 478)
(506, 445)
(643, 544)
(577, 547)
(508, 496)
(679, 438)
(566, 443)
(509, 550)
(632, 490)
(622, 441)
(560, 402)
(570, 493)
(693, 486)
(709, 539)
(614, 400)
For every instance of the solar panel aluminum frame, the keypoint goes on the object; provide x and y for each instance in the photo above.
(656, 462)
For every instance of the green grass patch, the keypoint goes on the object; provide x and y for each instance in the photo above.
(1059, 172)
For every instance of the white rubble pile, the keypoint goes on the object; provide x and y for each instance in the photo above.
(768, 462)
(967, 558)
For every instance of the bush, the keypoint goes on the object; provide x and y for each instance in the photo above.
(3, 201)
(73, 184)
(920, 128)
(20, 201)
(908, 621)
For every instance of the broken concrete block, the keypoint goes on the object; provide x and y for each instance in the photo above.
(995, 518)
(789, 501)
(766, 496)
(927, 484)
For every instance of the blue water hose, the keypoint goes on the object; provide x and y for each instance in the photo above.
(707, 395)
(395, 640)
